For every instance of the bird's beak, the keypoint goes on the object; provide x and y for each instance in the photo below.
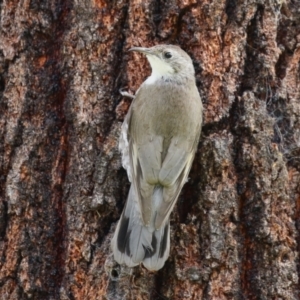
(146, 51)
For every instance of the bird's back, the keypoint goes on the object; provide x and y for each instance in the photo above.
(169, 113)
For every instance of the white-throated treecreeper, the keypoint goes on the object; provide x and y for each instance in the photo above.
(159, 138)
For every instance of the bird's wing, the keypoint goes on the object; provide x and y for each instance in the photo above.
(124, 145)
(172, 177)
(146, 165)
(142, 161)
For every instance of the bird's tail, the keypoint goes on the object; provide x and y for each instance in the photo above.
(133, 242)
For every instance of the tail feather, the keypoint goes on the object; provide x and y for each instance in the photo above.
(156, 260)
(135, 243)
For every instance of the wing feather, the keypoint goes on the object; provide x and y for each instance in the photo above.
(171, 193)
(146, 164)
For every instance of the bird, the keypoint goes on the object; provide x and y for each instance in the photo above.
(158, 141)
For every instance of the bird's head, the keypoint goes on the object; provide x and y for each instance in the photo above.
(168, 62)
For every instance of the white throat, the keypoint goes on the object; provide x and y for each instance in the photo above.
(159, 69)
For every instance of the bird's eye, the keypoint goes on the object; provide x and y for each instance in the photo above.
(167, 55)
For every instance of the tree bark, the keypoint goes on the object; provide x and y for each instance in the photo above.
(235, 229)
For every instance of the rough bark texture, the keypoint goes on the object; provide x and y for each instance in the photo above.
(235, 229)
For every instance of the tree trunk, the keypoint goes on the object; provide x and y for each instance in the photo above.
(235, 229)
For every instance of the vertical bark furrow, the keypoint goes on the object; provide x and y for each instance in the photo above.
(38, 159)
